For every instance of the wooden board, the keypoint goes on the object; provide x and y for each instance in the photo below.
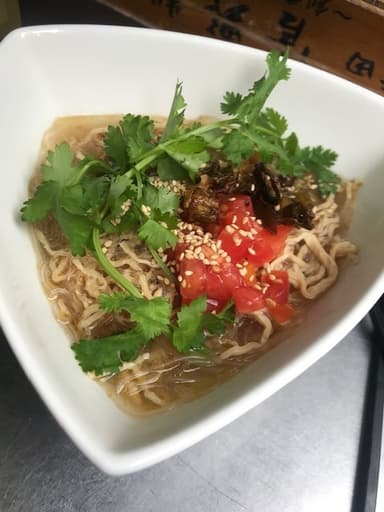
(340, 36)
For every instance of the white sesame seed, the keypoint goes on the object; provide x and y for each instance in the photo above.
(188, 273)
(237, 240)
(252, 251)
(243, 271)
(179, 278)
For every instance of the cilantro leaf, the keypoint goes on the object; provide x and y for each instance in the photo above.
(263, 131)
(247, 108)
(191, 162)
(176, 114)
(59, 166)
(126, 143)
(273, 121)
(63, 195)
(193, 323)
(114, 144)
(40, 204)
(232, 102)
(236, 147)
(190, 154)
(157, 236)
(152, 316)
(77, 229)
(189, 335)
(291, 144)
(106, 355)
(169, 169)
(161, 199)
(72, 199)
(96, 191)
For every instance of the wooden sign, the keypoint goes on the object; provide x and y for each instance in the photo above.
(340, 36)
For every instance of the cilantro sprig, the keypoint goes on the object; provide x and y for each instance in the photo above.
(152, 318)
(91, 197)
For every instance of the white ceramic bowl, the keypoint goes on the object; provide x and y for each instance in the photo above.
(54, 71)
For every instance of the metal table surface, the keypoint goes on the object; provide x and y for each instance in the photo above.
(297, 451)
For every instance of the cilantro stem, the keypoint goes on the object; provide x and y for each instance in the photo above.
(161, 263)
(86, 168)
(264, 130)
(139, 184)
(110, 269)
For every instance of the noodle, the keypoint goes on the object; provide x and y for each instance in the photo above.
(160, 377)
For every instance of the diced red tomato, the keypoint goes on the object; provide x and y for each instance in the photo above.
(215, 288)
(267, 246)
(236, 210)
(281, 313)
(245, 242)
(260, 252)
(194, 279)
(278, 289)
(277, 240)
(231, 276)
(234, 244)
(247, 299)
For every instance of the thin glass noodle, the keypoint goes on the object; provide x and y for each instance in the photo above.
(161, 377)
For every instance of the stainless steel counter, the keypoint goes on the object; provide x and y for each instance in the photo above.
(296, 452)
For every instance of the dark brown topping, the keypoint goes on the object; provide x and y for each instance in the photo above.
(201, 206)
(275, 199)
